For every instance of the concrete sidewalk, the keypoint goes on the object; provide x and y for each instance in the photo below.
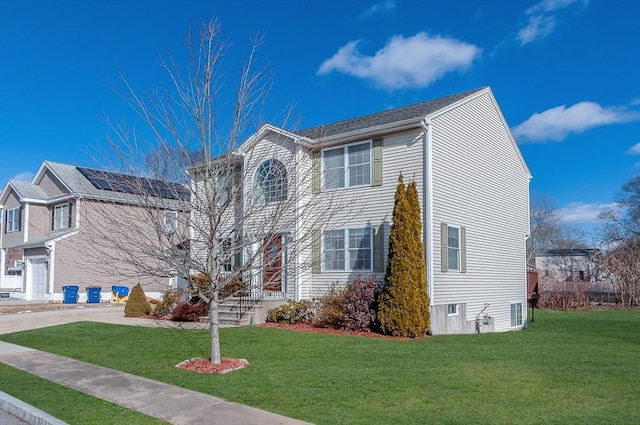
(170, 403)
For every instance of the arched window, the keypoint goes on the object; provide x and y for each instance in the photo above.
(270, 182)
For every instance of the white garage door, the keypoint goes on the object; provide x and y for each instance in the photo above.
(37, 278)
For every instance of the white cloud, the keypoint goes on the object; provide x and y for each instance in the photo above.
(543, 19)
(383, 6)
(404, 62)
(557, 123)
(538, 27)
(581, 213)
(25, 177)
(634, 150)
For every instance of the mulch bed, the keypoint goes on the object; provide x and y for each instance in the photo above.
(205, 366)
(303, 327)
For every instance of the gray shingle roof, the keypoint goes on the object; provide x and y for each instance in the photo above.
(79, 184)
(41, 240)
(28, 190)
(415, 111)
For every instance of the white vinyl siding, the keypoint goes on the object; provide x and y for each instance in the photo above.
(480, 183)
(348, 249)
(347, 166)
(370, 205)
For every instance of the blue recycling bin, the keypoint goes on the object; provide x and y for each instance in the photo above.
(93, 294)
(70, 294)
(119, 294)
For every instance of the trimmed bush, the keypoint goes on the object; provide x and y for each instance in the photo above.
(190, 312)
(291, 312)
(330, 314)
(137, 304)
(404, 304)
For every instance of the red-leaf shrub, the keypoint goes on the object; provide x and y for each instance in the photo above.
(357, 304)
(187, 312)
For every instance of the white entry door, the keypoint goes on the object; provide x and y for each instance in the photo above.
(37, 278)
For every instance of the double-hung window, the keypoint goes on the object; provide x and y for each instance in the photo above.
(226, 260)
(170, 222)
(453, 247)
(13, 220)
(454, 251)
(348, 249)
(347, 166)
(62, 216)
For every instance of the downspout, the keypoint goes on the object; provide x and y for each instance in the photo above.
(296, 237)
(427, 197)
(51, 261)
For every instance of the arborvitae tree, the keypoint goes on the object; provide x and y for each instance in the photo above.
(404, 304)
(137, 304)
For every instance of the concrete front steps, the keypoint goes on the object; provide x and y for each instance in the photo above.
(228, 309)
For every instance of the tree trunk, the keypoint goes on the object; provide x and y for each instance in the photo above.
(215, 329)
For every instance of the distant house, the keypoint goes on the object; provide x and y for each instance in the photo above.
(575, 265)
(49, 238)
(474, 192)
(570, 264)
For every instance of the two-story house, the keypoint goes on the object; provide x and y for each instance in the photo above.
(334, 185)
(54, 231)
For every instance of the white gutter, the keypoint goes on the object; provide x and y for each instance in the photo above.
(427, 199)
(359, 134)
(297, 268)
(24, 223)
(51, 269)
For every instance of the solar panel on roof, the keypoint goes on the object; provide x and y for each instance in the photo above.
(122, 183)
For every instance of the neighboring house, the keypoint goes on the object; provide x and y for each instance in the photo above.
(575, 265)
(569, 264)
(49, 235)
(474, 192)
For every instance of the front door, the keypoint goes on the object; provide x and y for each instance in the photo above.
(272, 263)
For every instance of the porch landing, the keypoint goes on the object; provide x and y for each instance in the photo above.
(230, 311)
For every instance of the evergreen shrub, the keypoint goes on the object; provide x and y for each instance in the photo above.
(403, 308)
(137, 304)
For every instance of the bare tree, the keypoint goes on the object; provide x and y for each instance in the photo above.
(226, 199)
(621, 243)
(545, 230)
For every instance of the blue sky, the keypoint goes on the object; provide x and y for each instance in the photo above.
(566, 73)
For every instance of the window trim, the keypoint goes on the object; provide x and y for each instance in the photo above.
(511, 316)
(347, 249)
(345, 166)
(15, 222)
(444, 248)
(452, 310)
(58, 220)
(225, 246)
(255, 185)
(457, 249)
(170, 228)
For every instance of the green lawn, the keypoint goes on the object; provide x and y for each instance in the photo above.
(568, 367)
